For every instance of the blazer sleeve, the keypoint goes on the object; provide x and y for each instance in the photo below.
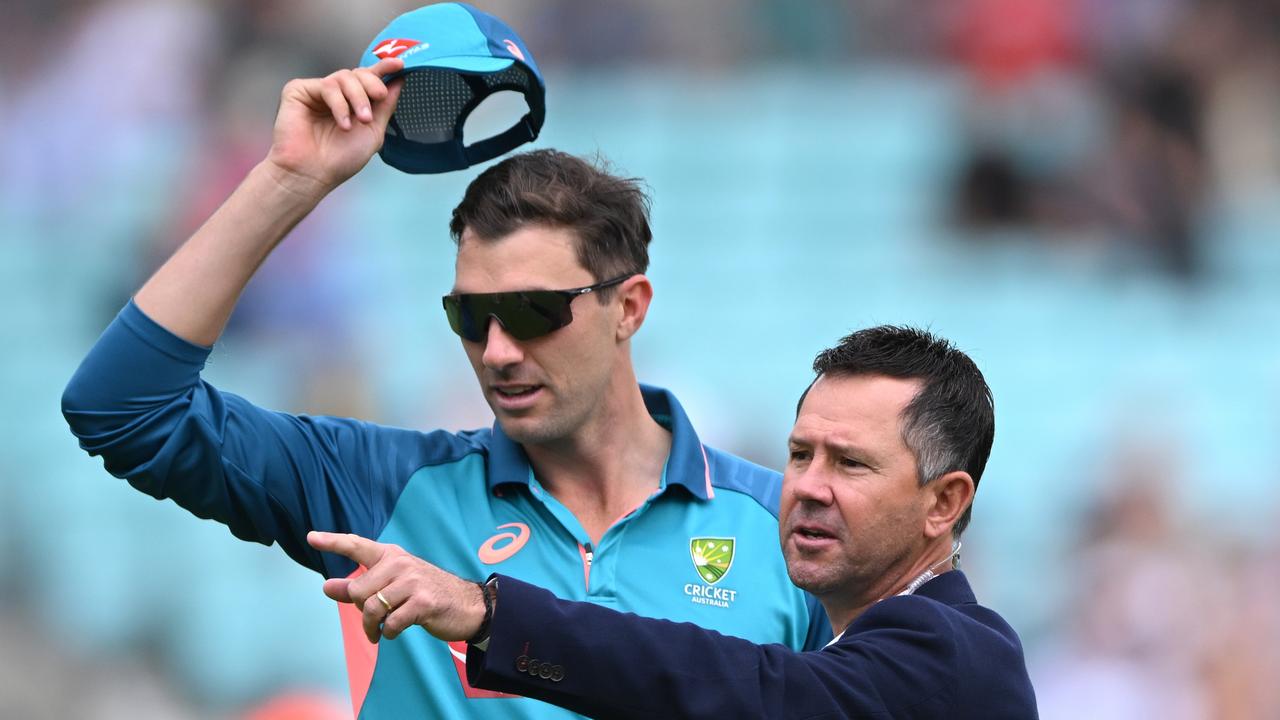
(137, 400)
(898, 661)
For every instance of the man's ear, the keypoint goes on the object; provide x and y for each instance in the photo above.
(635, 294)
(948, 496)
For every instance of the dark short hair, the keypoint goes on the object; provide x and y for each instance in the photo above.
(949, 425)
(608, 214)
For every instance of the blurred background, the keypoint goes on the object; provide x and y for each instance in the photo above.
(1082, 194)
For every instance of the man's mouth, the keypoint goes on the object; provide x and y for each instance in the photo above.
(813, 533)
(813, 536)
(515, 391)
(517, 397)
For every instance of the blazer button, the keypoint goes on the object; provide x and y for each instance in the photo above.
(544, 672)
(522, 663)
(557, 673)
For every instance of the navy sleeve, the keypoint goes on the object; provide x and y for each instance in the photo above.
(901, 663)
(137, 400)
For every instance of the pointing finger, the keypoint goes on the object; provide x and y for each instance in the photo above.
(353, 547)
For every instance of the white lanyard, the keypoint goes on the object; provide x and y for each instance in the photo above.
(921, 579)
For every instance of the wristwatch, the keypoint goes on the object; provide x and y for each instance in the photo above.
(489, 591)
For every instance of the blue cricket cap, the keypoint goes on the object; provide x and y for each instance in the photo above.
(454, 57)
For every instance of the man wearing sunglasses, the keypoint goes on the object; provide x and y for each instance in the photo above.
(588, 483)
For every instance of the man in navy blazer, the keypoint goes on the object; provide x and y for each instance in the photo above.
(889, 444)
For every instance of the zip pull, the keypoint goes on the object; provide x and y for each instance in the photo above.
(588, 554)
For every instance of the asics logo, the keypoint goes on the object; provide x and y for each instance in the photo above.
(491, 554)
(514, 49)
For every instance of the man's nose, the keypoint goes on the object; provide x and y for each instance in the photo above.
(808, 485)
(500, 349)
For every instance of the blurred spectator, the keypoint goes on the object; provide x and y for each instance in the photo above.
(1005, 43)
(1032, 114)
(1147, 615)
(79, 126)
(314, 298)
(43, 681)
(595, 35)
(1151, 179)
(1235, 44)
(993, 191)
(1121, 156)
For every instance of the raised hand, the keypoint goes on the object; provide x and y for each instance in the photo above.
(327, 128)
(399, 590)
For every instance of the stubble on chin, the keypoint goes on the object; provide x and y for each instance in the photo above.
(810, 574)
(540, 428)
(529, 433)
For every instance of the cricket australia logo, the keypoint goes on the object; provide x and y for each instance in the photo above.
(712, 558)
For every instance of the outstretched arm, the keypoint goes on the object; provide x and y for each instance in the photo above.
(326, 130)
(604, 663)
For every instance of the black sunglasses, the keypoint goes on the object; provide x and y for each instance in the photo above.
(524, 314)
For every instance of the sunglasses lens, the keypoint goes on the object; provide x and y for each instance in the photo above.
(524, 315)
(458, 308)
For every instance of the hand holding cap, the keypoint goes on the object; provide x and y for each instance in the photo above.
(454, 57)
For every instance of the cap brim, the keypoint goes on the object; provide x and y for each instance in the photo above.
(463, 63)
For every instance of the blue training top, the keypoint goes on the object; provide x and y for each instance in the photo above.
(702, 549)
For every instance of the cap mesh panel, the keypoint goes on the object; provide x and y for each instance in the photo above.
(514, 75)
(433, 99)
